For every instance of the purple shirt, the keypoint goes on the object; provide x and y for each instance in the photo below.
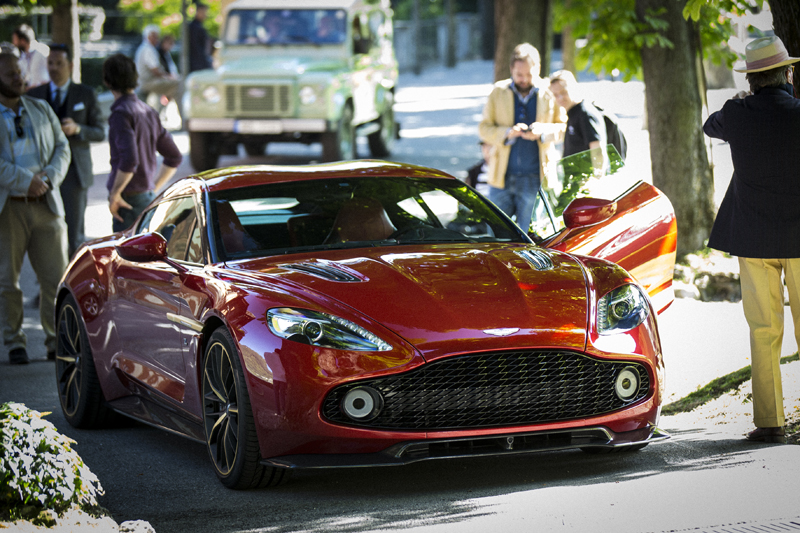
(135, 135)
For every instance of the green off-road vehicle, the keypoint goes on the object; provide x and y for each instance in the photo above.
(310, 71)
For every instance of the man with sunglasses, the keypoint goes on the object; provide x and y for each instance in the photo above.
(34, 157)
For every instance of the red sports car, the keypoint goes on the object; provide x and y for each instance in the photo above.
(369, 313)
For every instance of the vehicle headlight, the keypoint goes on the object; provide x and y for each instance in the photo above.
(308, 95)
(211, 95)
(321, 329)
(620, 310)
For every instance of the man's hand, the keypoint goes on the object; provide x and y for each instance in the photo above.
(115, 202)
(38, 186)
(70, 127)
(524, 131)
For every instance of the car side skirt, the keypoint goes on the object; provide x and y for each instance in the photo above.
(511, 444)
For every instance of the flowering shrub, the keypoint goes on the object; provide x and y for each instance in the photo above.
(38, 467)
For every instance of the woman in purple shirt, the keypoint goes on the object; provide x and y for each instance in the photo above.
(135, 137)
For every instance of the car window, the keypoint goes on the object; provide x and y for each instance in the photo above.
(176, 221)
(581, 175)
(351, 212)
(286, 26)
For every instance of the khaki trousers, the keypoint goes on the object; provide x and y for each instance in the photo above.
(762, 299)
(33, 228)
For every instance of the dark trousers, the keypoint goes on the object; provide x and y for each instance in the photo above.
(75, 197)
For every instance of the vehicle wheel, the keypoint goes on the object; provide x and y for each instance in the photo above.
(79, 389)
(381, 141)
(340, 144)
(228, 419)
(203, 150)
(255, 148)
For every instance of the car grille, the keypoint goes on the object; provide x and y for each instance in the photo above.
(494, 390)
(259, 100)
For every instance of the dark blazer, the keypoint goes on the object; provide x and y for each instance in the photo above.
(760, 214)
(81, 106)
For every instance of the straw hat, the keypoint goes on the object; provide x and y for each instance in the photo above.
(766, 53)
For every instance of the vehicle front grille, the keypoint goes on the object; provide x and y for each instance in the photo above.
(259, 100)
(494, 390)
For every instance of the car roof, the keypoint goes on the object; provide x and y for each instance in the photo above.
(307, 4)
(246, 176)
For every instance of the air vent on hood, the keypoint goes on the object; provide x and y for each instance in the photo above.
(323, 270)
(538, 259)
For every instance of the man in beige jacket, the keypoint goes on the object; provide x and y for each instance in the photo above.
(523, 122)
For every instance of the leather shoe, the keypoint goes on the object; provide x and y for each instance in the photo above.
(18, 356)
(777, 435)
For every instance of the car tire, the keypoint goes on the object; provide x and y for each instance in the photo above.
(204, 150)
(79, 391)
(255, 148)
(228, 422)
(381, 141)
(340, 144)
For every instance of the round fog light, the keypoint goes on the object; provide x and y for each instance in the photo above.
(627, 383)
(362, 403)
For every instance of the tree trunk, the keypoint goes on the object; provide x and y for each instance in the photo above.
(674, 110)
(568, 49)
(67, 31)
(522, 21)
(450, 59)
(786, 21)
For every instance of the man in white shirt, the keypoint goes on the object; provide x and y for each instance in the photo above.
(152, 76)
(32, 56)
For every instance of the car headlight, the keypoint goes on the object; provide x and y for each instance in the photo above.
(321, 329)
(211, 95)
(620, 310)
(308, 95)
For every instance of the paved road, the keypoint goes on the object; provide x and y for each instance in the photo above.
(705, 477)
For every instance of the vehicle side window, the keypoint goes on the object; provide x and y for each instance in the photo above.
(175, 220)
(361, 37)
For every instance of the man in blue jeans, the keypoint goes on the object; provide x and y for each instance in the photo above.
(135, 135)
(523, 122)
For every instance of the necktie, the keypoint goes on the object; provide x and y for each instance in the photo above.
(57, 100)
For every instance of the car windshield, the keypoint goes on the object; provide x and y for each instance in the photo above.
(325, 214)
(286, 26)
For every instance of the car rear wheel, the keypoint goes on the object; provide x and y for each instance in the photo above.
(381, 141)
(228, 420)
(204, 150)
(79, 389)
(340, 144)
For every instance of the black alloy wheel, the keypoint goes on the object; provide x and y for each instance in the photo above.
(230, 432)
(79, 389)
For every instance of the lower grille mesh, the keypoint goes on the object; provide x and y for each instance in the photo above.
(494, 390)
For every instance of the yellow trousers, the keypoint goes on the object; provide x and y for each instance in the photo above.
(762, 299)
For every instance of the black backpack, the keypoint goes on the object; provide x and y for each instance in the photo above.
(613, 131)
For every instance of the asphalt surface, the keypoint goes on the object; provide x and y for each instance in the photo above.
(706, 478)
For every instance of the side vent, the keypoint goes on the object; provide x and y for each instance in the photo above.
(538, 259)
(323, 270)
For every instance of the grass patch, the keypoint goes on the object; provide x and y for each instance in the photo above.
(715, 389)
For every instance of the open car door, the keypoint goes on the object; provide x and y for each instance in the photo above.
(597, 207)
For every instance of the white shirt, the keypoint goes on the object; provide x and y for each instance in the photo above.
(146, 59)
(33, 65)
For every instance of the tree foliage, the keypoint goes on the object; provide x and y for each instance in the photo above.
(615, 34)
(166, 14)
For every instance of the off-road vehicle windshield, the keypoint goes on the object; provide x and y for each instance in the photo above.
(286, 26)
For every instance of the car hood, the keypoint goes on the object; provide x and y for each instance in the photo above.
(280, 66)
(450, 299)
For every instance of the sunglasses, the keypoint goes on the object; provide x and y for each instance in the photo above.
(18, 126)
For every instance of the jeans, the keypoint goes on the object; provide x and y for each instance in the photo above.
(517, 198)
(139, 202)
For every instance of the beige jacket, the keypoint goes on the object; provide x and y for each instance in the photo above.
(498, 117)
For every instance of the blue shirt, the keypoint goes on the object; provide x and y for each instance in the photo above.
(24, 152)
(524, 156)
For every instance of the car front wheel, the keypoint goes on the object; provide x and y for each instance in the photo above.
(228, 420)
(381, 141)
(204, 150)
(340, 144)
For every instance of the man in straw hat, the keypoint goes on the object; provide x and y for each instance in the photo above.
(759, 219)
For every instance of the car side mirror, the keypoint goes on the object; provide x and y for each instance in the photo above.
(143, 248)
(588, 212)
